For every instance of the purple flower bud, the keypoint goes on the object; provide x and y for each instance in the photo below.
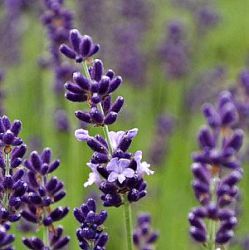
(97, 70)
(110, 118)
(82, 81)
(118, 104)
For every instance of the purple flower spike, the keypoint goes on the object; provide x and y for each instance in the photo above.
(91, 230)
(217, 172)
(95, 91)
(82, 47)
(174, 52)
(43, 192)
(117, 172)
(9, 132)
(57, 20)
(144, 237)
(13, 187)
(56, 241)
(221, 122)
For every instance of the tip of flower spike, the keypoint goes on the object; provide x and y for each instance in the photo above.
(81, 134)
(74, 31)
(133, 132)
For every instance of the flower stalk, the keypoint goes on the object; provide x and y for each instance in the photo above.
(128, 224)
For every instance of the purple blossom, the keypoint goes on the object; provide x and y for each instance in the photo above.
(240, 94)
(221, 122)
(217, 172)
(12, 185)
(119, 170)
(95, 91)
(43, 192)
(58, 21)
(91, 232)
(206, 87)
(144, 237)
(158, 150)
(2, 93)
(111, 173)
(174, 51)
(206, 18)
(82, 47)
(6, 239)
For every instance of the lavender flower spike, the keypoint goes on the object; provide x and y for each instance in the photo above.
(116, 172)
(82, 47)
(91, 234)
(12, 186)
(144, 237)
(43, 192)
(217, 172)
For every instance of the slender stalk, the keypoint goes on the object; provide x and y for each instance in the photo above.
(213, 223)
(128, 224)
(46, 236)
(5, 201)
(7, 164)
(99, 105)
(45, 230)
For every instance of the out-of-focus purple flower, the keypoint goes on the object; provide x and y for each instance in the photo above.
(58, 21)
(245, 243)
(126, 30)
(204, 13)
(158, 150)
(10, 30)
(217, 172)
(206, 17)
(206, 87)
(42, 193)
(174, 51)
(2, 94)
(61, 120)
(6, 239)
(91, 232)
(144, 237)
(241, 98)
(135, 19)
(130, 61)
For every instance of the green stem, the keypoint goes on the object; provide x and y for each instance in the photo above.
(7, 164)
(46, 236)
(99, 106)
(213, 223)
(45, 230)
(5, 201)
(128, 224)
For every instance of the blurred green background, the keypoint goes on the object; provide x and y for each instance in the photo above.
(30, 98)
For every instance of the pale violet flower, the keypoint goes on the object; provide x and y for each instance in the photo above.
(94, 176)
(119, 170)
(116, 137)
(81, 134)
(142, 167)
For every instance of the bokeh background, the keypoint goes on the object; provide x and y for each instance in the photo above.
(173, 56)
